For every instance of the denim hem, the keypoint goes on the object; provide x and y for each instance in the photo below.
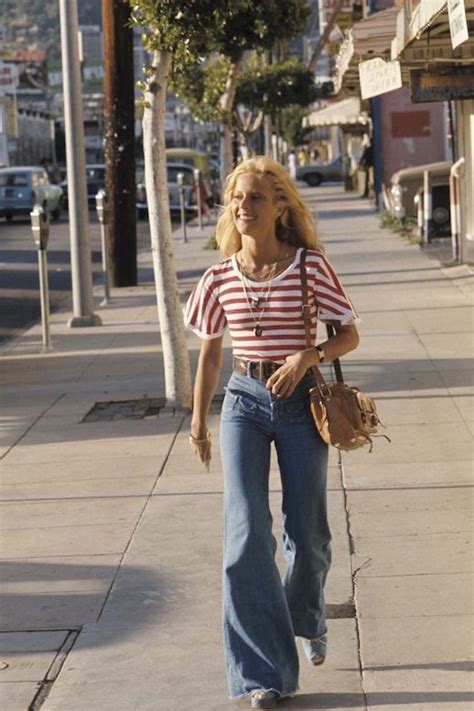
(281, 694)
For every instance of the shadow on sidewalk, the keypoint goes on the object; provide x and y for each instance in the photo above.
(312, 702)
(58, 595)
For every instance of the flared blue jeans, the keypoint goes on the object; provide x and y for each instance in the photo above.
(262, 613)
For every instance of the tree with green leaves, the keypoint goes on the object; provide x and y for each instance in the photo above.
(253, 25)
(175, 35)
(267, 89)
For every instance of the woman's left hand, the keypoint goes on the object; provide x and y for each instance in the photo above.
(284, 380)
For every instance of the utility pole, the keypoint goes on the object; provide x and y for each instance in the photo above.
(119, 130)
(81, 265)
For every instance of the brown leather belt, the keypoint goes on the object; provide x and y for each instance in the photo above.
(259, 369)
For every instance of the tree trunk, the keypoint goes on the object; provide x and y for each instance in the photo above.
(227, 104)
(175, 355)
(323, 40)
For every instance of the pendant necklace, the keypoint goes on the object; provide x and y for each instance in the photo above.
(254, 301)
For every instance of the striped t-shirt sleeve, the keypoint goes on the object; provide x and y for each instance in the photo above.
(203, 314)
(333, 304)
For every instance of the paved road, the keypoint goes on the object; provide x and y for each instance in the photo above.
(19, 281)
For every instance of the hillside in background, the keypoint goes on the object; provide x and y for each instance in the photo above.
(34, 24)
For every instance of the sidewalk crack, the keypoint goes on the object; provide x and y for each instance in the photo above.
(42, 414)
(53, 672)
(354, 580)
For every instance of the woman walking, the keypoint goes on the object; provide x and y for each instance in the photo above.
(264, 233)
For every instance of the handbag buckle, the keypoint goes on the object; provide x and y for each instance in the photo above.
(324, 391)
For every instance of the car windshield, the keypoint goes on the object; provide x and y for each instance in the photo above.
(95, 173)
(173, 174)
(14, 180)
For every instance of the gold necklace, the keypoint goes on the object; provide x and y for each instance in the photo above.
(253, 274)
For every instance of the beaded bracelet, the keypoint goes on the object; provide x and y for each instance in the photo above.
(194, 440)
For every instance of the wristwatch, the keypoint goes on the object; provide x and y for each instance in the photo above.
(321, 355)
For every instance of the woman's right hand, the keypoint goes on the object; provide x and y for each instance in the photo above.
(200, 442)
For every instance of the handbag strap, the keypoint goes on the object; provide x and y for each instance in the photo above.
(306, 309)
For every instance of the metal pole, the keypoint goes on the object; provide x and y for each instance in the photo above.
(81, 265)
(427, 207)
(455, 174)
(197, 180)
(105, 271)
(180, 180)
(44, 298)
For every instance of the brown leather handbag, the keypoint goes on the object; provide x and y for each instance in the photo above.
(344, 416)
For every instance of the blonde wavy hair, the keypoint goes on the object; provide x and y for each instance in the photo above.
(295, 226)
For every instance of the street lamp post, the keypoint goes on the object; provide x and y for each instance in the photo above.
(81, 264)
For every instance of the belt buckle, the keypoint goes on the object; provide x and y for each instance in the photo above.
(260, 370)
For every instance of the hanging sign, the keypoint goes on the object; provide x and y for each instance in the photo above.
(450, 84)
(8, 77)
(457, 22)
(378, 77)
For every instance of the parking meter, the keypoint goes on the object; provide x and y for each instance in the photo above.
(197, 181)
(101, 204)
(180, 181)
(40, 227)
(102, 207)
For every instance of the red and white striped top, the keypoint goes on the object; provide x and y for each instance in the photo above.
(219, 299)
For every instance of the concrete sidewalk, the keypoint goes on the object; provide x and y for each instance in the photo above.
(111, 532)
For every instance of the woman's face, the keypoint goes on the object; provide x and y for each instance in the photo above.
(254, 207)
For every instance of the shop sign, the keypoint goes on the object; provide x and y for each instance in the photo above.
(442, 85)
(457, 22)
(3, 150)
(8, 77)
(378, 77)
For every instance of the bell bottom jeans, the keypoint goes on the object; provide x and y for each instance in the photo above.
(262, 613)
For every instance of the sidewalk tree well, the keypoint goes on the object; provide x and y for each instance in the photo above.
(175, 39)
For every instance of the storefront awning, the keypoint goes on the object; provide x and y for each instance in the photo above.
(369, 38)
(424, 37)
(344, 113)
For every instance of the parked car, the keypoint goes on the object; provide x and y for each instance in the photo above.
(201, 160)
(407, 183)
(190, 197)
(316, 173)
(23, 187)
(95, 178)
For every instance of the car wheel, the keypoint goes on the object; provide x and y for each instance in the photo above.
(9, 218)
(313, 179)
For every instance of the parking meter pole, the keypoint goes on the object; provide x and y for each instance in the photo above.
(103, 217)
(180, 180)
(105, 270)
(40, 230)
(197, 180)
(44, 298)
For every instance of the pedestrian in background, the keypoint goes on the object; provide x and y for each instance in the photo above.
(292, 164)
(303, 156)
(263, 233)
